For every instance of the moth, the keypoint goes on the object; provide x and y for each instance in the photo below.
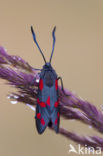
(47, 108)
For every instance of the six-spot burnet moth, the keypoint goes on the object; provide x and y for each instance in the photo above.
(47, 108)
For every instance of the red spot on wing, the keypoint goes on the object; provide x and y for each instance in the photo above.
(38, 115)
(38, 101)
(42, 104)
(48, 101)
(56, 104)
(56, 121)
(42, 121)
(41, 84)
(56, 84)
(58, 114)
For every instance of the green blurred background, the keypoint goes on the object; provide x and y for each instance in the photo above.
(78, 58)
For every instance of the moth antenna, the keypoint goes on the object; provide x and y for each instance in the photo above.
(34, 37)
(54, 39)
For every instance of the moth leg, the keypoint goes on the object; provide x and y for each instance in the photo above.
(32, 82)
(62, 87)
(36, 69)
(34, 79)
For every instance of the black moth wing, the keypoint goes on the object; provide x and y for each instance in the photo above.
(47, 109)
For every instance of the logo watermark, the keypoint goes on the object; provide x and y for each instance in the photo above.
(84, 150)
